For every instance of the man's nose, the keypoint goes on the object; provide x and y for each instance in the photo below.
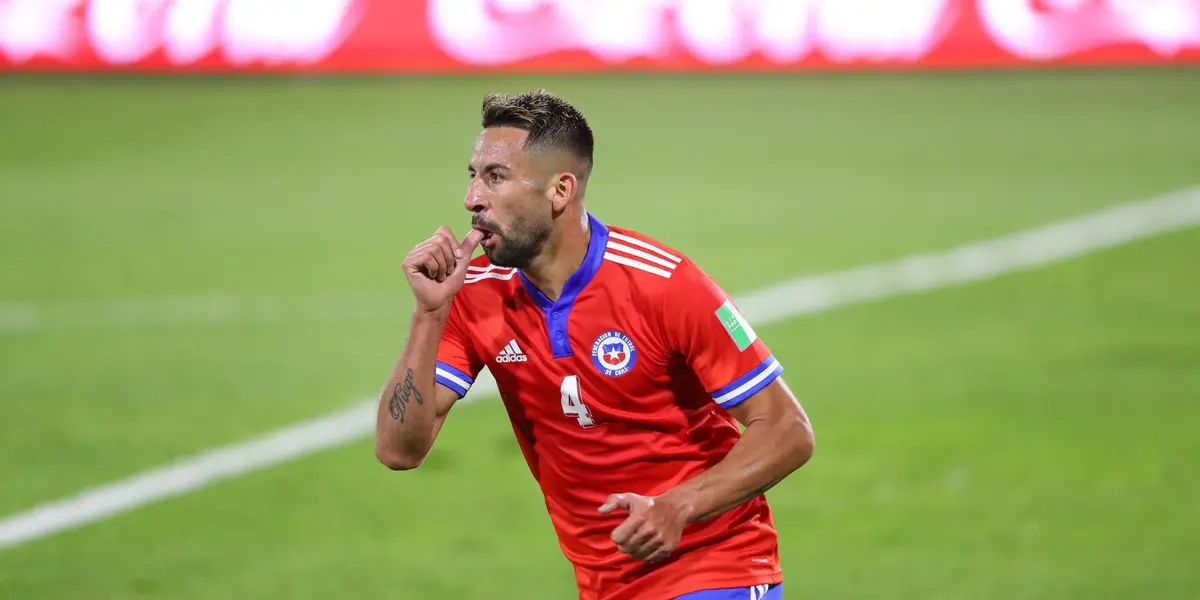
(475, 200)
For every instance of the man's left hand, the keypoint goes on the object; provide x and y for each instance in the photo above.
(653, 528)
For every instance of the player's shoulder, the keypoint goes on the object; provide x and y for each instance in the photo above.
(484, 277)
(644, 257)
(655, 273)
(485, 287)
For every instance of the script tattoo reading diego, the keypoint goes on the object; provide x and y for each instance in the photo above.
(403, 393)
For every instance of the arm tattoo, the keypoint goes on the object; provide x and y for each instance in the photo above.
(404, 392)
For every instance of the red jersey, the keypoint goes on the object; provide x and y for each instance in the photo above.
(620, 385)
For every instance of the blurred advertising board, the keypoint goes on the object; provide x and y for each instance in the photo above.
(590, 35)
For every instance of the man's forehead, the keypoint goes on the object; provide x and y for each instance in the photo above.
(497, 142)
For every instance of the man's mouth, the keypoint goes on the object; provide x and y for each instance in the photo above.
(488, 235)
(488, 231)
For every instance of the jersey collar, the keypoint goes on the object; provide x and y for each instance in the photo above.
(557, 311)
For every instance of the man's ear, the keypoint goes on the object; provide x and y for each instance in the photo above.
(562, 190)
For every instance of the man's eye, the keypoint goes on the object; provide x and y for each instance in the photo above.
(495, 177)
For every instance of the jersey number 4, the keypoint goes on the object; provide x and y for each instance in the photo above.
(572, 402)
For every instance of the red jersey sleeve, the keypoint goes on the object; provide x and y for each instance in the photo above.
(457, 363)
(719, 345)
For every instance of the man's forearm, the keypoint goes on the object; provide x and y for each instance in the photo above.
(407, 414)
(766, 453)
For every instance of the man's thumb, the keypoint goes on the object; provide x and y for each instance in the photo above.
(614, 502)
(466, 249)
(470, 242)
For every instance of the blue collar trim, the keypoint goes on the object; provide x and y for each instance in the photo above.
(558, 311)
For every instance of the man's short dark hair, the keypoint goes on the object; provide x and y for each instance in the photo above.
(551, 122)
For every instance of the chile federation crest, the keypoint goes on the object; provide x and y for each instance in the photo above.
(614, 353)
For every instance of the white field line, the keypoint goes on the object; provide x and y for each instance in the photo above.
(805, 295)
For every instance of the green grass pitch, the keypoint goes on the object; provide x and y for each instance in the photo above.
(1033, 436)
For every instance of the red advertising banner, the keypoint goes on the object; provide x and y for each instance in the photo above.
(590, 35)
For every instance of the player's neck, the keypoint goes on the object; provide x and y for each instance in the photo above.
(561, 257)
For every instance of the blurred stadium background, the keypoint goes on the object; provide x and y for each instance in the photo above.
(204, 205)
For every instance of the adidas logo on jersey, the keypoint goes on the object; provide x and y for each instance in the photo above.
(511, 354)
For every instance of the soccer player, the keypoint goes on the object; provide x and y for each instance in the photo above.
(624, 368)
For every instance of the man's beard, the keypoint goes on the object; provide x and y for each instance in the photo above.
(518, 246)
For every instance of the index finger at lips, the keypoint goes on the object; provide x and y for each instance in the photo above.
(470, 241)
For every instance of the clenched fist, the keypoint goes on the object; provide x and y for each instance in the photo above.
(653, 528)
(437, 267)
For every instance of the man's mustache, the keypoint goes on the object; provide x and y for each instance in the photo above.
(481, 223)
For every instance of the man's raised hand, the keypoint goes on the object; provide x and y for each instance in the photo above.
(436, 268)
